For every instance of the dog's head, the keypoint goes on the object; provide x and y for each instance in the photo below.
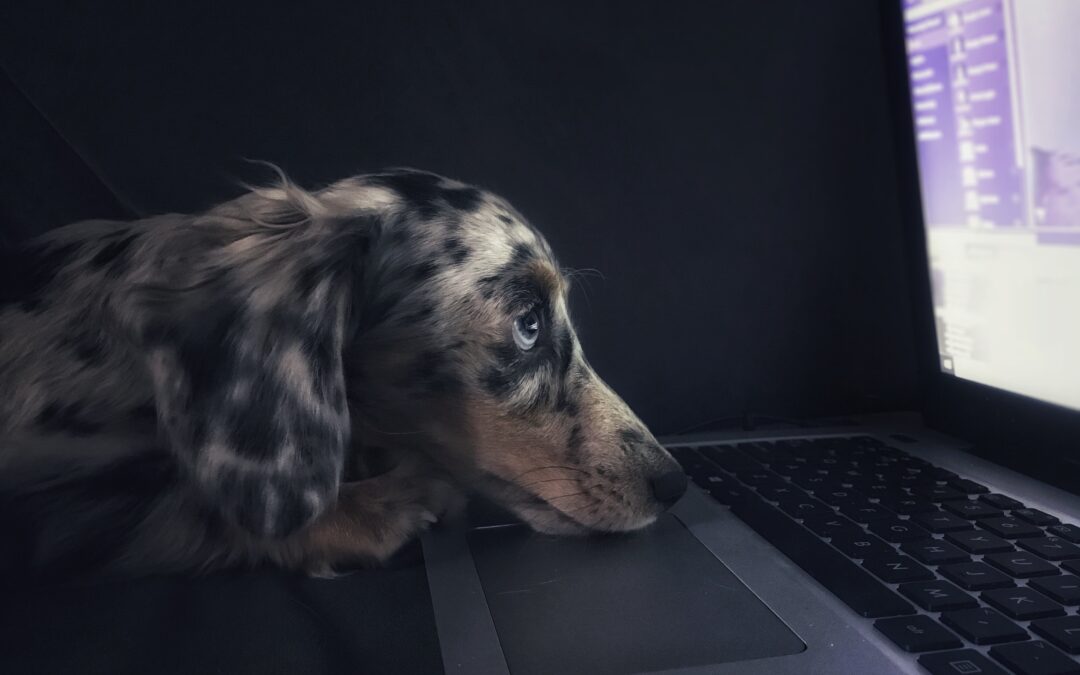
(401, 310)
(464, 348)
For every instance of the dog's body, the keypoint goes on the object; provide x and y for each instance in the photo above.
(274, 343)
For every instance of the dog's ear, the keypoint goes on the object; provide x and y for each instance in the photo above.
(246, 363)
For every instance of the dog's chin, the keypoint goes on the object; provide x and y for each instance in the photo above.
(550, 520)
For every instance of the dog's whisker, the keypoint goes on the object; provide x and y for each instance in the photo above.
(543, 468)
(584, 272)
(546, 480)
(572, 494)
(592, 504)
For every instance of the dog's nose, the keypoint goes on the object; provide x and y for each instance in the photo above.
(668, 487)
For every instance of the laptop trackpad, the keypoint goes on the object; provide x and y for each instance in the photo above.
(650, 600)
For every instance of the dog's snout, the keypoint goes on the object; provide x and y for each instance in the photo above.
(668, 487)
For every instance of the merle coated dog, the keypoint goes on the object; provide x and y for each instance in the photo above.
(305, 379)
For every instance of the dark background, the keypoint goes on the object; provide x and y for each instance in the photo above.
(727, 166)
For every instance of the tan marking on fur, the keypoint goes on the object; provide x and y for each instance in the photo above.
(532, 454)
(548, 277)
(216, 455)
(243, 246)
(364, 198)
(375, 517)
(295, 368)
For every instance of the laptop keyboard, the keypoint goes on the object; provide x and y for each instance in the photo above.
(888, 533)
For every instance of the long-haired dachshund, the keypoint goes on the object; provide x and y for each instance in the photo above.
(275, 347)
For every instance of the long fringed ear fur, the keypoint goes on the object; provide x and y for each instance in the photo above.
(246, 357)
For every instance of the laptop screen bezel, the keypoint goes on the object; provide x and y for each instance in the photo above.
(1031, 436)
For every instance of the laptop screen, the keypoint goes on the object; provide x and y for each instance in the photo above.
(995, 89)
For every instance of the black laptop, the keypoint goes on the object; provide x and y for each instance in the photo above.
(945, 542)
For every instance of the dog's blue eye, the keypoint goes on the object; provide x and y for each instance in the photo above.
(527, 330)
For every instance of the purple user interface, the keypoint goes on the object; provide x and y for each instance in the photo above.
(995, 95)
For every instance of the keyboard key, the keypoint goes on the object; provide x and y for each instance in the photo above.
(1035, 658)
(1065, 589)
(705, 479)
(1071, 566)
(941, 474)
(984, 626)
(940, 521)
(846, 580)
(934, 552)
(1065, 531)
(1022, 603)
(829, 463)
(858, 474)
(761, 478)
(828, 526)
(907, 505)
(917, 633)
(729, 493)
(1035, 517)
(763, 452)
(1001, 501)
(1063, 632)
(695, 464)
(787, 469)
(977, 541)
(961, 662)
(1051, 548)
(723, 489)
(969, 487)
(898, 531)
(878, 490)
(706, 476)
(865, 512)
(802, 507)
(896, 569)
(975, 576)
(687, 457)
(937, 595)
(971, 509)
(749, 473)
(908, 480)
(1021, 565)
(940, 493)
(779, 493)
(1010, 528)
(861, 545)
(813, 481)
(730, 459)
(771, 483)
(838, 496)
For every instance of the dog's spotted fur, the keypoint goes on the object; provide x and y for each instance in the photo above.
(280, 339)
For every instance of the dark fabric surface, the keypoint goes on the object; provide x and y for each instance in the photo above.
(261, 622)
(45, 183)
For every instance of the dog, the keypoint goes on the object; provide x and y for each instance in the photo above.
(304, 379)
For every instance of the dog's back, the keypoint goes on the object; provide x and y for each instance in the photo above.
(65, 361)
(81, 464)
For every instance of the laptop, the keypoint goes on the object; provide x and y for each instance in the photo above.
(945, 541)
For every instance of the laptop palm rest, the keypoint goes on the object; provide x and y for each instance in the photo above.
(650, 600)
